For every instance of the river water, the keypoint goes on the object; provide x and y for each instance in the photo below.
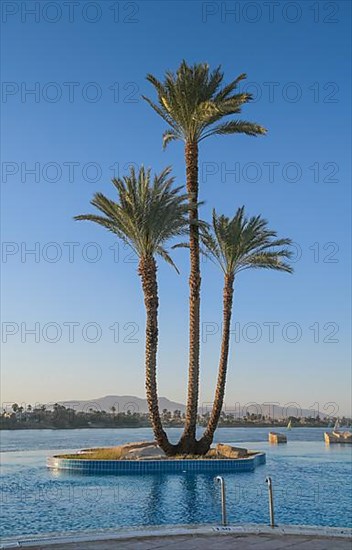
(312, 484)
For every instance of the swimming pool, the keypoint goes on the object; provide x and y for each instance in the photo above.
(312, 484)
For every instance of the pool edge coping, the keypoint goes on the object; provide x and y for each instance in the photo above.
(173, 531)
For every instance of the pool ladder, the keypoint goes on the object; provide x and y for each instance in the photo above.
(269, 482)
(221, 480)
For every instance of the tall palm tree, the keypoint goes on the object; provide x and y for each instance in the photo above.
(237, 244)
(147, 215)
(195, 104)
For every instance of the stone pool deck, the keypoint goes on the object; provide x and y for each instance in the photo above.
(214, 542)
(202, 538)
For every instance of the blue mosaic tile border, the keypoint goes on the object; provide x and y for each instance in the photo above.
(156, 466)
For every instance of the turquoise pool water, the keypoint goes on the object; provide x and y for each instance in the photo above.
(312, 485)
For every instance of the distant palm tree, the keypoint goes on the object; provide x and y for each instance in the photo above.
(237, 244)
(195, 106)
(146, 217)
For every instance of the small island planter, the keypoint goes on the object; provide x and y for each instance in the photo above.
(197, 466)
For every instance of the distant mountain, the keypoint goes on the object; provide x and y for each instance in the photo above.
(122, 403)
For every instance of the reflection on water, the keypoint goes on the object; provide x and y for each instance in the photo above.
(311, 484)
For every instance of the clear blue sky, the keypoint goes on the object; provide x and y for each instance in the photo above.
(87, 65)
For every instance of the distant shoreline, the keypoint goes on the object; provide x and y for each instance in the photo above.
(269, 426)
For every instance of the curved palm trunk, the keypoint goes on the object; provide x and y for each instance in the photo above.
(187, 442)
(206, 440)
(147, 271)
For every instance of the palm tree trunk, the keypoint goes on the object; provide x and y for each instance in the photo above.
(147, 271)
(206, 440)
(187, 442)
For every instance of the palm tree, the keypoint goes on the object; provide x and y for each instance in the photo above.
(147, 215)
(237, 244)
(195, 103)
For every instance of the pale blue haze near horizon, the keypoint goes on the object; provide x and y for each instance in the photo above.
(307, 59)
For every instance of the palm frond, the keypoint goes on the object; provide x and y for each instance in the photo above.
(235, 127)
(161, 112)
(229, 88)
(180, 245)
(192, 101)
(149, 212)
(166, 257)
(169, 135)
(239, 243)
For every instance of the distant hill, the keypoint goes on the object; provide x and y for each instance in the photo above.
(122, 403)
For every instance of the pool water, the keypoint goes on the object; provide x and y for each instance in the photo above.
(312, 484)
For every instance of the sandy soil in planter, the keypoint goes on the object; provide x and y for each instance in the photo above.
(149, 450)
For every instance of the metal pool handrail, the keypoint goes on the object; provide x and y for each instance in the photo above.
(271, 501)
(268, 480)
(221, 480)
